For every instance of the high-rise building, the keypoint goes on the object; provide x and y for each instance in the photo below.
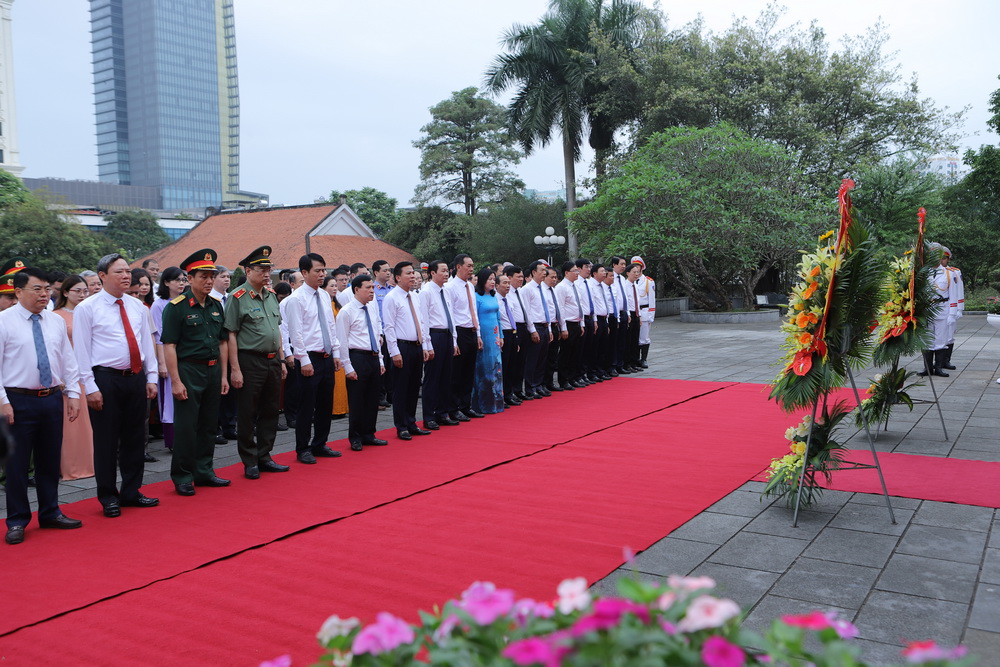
(10, 155)
(167, 99)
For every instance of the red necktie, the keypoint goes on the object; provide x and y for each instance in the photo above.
(134, 357)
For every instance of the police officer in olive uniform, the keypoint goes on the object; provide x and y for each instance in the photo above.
(252, 321)
(196, 348)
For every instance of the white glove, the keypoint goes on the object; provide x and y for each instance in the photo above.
(951, 319)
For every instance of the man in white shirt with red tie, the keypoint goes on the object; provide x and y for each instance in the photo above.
(360, 354)
(313, 336)
(443, 343)
(406, 339)
(119, 371)
(36, 361)
(463, 311)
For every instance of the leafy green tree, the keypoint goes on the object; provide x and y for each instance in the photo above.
(431, 232)
(716, 206)
(506, 233)
(551, 64)
(136, 233)
(12, 190)
(48, 240)
(466, 152)
(376, 208)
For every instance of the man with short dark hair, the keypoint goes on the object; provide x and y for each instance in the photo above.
(522, 336)
(408, 341)
(381, 271)
(36, 362)
(343, 279)
(313, 337)
(618, 265)
(463, 311)
(508, 353)
(558, 327)
(537, 316)
(436, 312)
(570, 304)
(153, 267)
(360, 354)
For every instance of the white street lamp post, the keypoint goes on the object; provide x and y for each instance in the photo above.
(550, 242)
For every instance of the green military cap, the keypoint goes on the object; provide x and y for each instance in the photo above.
(259, 257)
(7, 272)
(202, 260)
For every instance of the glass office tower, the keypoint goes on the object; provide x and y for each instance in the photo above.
(167, 98)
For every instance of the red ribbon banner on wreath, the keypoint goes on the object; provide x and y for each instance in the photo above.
(917, 263)
(803, 359)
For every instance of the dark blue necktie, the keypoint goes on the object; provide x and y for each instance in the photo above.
(371, 331)
(555, 302)
(44, 370)
(510, 315)
(545, 306)
(447, 313)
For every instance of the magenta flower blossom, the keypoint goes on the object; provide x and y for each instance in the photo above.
(280, 661)
(669, 628)
(919, 652)
(718, 652)
(444, 630)
(526, 608)
(537, 650)
(485, 602)
(607, 613)
(845, 629)
(816, 620)
(385, 634)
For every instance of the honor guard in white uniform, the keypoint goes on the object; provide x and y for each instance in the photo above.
(943, 325)
(957, 303)
(647, 309)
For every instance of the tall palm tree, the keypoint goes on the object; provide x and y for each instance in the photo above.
(551, 64)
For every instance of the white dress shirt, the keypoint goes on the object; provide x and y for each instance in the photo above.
(19, 361)
(303, 323)
(531, 296)
(556, 314)
(397, 320)
(612, 298)
(99, 338)
(221, 297)
(286, 344)
(570, 301)
(515, 305)
(352, 327)
(631, 297)
(433, 310)
(459, 293)
(596, 289)
(506, 302)
(345, 297)
(621, 284)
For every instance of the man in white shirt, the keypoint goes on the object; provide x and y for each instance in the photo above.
(227, 406)
(436, 312)
(463, 311)
(602, 310)
(618, 266)
(558, 327)
(313, 335)
(344, 291)
(36, 361)
(406, 338)
(119, 371)
(537, 316)
(588, 363)
(360, 354)
(522, 337)
(571, 349)
(508, 325)
(632, 274)
(646, 289)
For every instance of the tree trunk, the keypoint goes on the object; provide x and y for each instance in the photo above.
(570, 165)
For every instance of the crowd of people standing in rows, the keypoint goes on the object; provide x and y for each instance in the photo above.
(218, 362)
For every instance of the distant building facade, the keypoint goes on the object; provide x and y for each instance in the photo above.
(166, 98)
(949, 167)
(10, 153)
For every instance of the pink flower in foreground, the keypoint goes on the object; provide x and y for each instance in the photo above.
(573, 595)
(816, 620)
(718, 652)
(280, 661)
(385, 634)
(666, 600)
(485, 602)
(444, 630)
(690, 584)
(535, 650)
(669, 628)
(335, 626)
(917, 652)
(845, 629)
(526, 608)
(607, 613)
(706, 611)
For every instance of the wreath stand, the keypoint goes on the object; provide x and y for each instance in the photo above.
(923, 401)
(811, 470)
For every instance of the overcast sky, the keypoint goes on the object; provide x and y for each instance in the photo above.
(333, 92)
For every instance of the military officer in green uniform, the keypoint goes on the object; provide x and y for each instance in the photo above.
(252, 322)
(196, 349)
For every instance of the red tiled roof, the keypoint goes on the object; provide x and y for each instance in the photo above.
(234, 235)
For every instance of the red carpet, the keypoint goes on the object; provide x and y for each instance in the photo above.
(543, 514)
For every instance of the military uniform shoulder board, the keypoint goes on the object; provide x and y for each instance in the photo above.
(216, 298)
(270, 289)
(177, 299)
(240, 292)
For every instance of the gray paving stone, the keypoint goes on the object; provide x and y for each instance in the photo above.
(608, 586)
(823, 582)
(852, 546)
(772, 607)
(711, 527)
(995, 534)
(990, 573)
(759, 552)
(986, 608)
(950, 515)
(753, 487)
(982, 643)
(741, 503)
(777, 520)
(963, 546)
(893, 618)
(877, 653)
(879, 499)
(872, 518)
(973, 455)
(744, 586)
(929, 577)
(673, 556)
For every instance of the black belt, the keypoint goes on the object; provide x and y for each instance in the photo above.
(116, 371)
(320, 354)
(940, 300)
(37, 393)
(258, 353)
(201, 362)
(644, 305)
(466, 328)
(440, 331)
(602, 318)
(408, 342)
(541, 325)
(364, 352)
(509, 330)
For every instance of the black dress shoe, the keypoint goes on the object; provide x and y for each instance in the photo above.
(554, 387)
(112, 509)
(306, 457)
(543, 391)
(624, 371)
(220, 439)
(15, 535)
(525, 396)
(448, 421)
(282, 427)
(62, 521)
(432, 425)
(230, 435)
(31, 481)
(384, 403)
(326, 452)
(291, 422)
(356, 447)
(458, 416)
(613, 373)
(567, 387)
(213, 481)
(374, 442)
(580, 384)
(139, 501)
(404, 435)
(271, 466)
(184, 488)
(941, 374)
(416, 430)
(251, 472)
(149, 458)
(473, 413)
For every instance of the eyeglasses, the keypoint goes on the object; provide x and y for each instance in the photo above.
(78, 290)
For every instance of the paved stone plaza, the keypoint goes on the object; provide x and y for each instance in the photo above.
(935, 574)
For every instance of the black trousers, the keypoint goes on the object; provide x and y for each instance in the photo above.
(38, 430)
(119, 435)
(406, 385)
(463, 370)
(632, 344)
(437, 376)
(571, 354)
(362, 397)
(291, 402)
(257, 424)
(387, 377)
(621, 339)
(536, 358)
(601, 347)
(228, 410)
(508, 358)
(552, 363)
(315, 404)
(611, 345)
(518, 367)
(588, 345)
